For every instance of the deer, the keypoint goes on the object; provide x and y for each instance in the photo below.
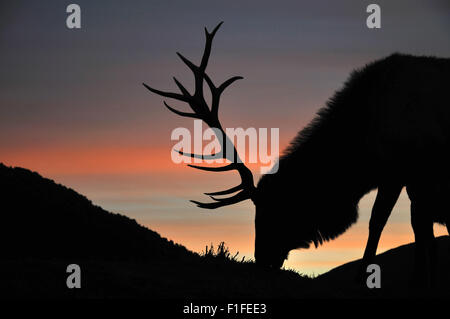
(387, 128)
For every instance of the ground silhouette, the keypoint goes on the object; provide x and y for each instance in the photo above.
(46, 226)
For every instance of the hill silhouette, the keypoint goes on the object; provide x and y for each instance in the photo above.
(45, 219)
(396, 276)
(46, 226)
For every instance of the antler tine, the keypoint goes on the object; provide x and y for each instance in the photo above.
(182, 88)
(228, 82)
(228, 167)
(170, 95)
(209, 115)
(226, 192)
(185, 114)
(239, 197)
(228, 198)
(207, 205)
(200, 156)
(191, 65)
(197, 101)
(216, 92)
(199, 75)
(208, 44)
(246, 185)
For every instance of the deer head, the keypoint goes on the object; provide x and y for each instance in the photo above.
(267, 252)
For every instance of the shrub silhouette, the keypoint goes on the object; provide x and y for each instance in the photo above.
(221, 253)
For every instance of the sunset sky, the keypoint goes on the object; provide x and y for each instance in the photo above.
(72, 106)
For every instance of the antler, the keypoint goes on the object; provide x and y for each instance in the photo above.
(209, 115)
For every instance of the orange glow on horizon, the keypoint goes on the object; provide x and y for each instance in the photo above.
(238, 235)
(348, 247)
(99, 160)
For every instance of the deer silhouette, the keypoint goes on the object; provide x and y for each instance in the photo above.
(387, 128)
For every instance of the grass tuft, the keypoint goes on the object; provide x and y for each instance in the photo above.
(222, 253)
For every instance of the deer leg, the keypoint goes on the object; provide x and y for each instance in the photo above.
(384, 203)
(425, 251)
(387, 196)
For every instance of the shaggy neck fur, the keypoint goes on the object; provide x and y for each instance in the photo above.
(326, 169)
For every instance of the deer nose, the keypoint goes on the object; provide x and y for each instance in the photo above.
(276, 264)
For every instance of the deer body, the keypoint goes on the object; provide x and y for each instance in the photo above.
(387, 128)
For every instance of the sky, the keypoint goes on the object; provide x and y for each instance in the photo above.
(72, 106)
